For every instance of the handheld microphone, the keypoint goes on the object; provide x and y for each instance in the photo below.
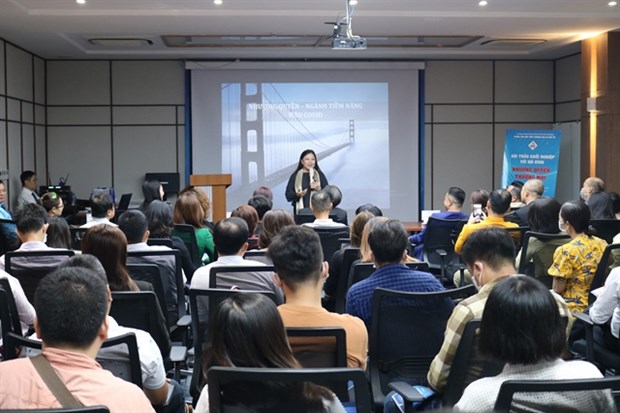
(311, 172)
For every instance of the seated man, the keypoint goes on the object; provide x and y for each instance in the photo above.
(231, 242)
(71, 340)
(29, 187)
(452, 202)
(8, 229)
(165, 395)
(32, 225)
(301, 272)
(102, 210)
(388, 243)
(489, 255)
(336, 214)
(531, 191)
(135, 227)
(321, 206)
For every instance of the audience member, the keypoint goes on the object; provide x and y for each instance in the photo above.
(231, 236)
(247, 331)
(515, 197)
(479, 197)
(250, 216)
(264, 191)
(615, 202)
(58, 234)
(32, 225)
(204, 201)
(152, 190)
(71, 339)
(52, 203)
(109, 245)
(337, 214)
(335, 264)
(160, 225)
(188, 210)
(489, 255)
(321, 206)
(369, 208)
(574, 263)
(497, 206)
(134, 226)
(541, 218)
(388, 243)
(521, 326)
(273, 222)
(591, 186)
(601, 206)
(8, 229)
(29, 188)
(365, 251)
(453, 203)
(300, 271)
(102, 210)
(531, 191)
(261, 204)
(25, 310)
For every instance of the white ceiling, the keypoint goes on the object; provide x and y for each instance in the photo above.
(60, 28)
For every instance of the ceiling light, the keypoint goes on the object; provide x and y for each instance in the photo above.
(612, 3)
(482, 3)
(80, 1)
(352, 2)
(217, 2)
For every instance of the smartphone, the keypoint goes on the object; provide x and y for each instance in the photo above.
(478, 211)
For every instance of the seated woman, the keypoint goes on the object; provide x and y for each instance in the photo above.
(541, 218)
(52, 203)
(521, 326)
(58, 234)
(159, 217)
(574, 263)
(109, 245)
(152, 191)
(250, 216)
(247, 331)
(273, 222)
(188, 210)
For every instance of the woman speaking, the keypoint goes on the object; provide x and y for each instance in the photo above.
(307, 177)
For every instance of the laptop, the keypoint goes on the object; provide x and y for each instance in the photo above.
(123, 204)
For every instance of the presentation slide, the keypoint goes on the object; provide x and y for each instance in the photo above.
(361, 124)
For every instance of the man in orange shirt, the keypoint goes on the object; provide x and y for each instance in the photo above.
(72, 305)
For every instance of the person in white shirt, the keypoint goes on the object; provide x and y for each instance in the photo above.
(25, 310)
(102, 210)
(321, 205)
(29, 186)
(231, 241)
(521, 326)
(32, 225)
(606, 307)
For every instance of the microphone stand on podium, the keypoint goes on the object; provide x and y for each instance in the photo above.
(218, 184)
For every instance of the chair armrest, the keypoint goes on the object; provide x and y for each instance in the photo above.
(407, 391)
(178, 353)
(441, 252)
(184, 321)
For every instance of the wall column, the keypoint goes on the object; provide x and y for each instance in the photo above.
(600, 130)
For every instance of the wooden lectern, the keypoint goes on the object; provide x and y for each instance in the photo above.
(218, 184)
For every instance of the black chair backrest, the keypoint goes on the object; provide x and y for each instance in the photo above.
(29, 267)
(228, 276)
(77, 235)
(362, 270)
(606, 229)
(187, 233)
(271, 398)
(528, 268)
(257, 255)
(463, 358)
(90, 409)
(438, 236)
(319, 346)
(151, 274)
(140, 310)
(178, 269)
(202, 304)
(349, 256)
(164, 242)
(517, 235)
(602, 270)
(406, 332)
(510, 387)
(9, 316)
(344, 242)
(7, 242)
(330, 240)
(127, 368)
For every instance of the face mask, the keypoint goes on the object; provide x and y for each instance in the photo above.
(475, 282)
(560, 227)
(582, 194)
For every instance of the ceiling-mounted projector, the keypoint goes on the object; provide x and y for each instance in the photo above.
(344, 42)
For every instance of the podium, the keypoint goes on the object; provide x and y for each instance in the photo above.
(218, 184)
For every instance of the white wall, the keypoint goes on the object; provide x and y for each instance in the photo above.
(22, 116)
(110, 122)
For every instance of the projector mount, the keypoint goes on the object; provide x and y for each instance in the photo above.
(343, 37)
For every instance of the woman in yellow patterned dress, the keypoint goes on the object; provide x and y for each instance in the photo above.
(575, 262)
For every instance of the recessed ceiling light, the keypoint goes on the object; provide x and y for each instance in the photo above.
(217, 2)
(482, 3)
(352, 2)
(80, 1)
(612, 3)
